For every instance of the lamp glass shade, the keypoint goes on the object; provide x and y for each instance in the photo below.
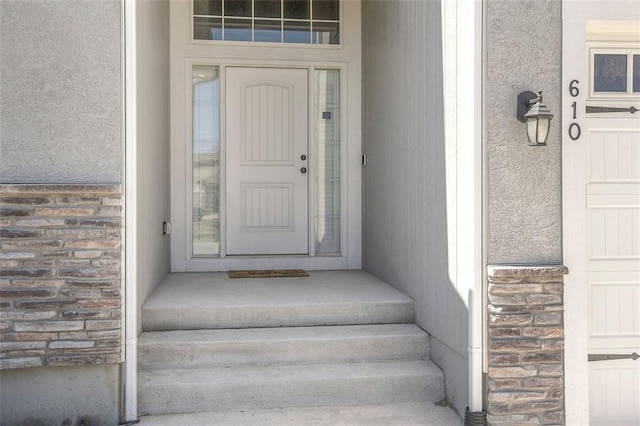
(538, 119)
(543, 130)
(532, 130)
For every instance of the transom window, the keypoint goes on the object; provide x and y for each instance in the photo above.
(271, 21)
(615, 72)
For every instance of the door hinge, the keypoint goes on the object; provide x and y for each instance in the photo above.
(166, 228)
(364, 159)
(610, 357)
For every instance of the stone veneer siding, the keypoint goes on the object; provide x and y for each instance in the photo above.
(526, 345)
(60, 275)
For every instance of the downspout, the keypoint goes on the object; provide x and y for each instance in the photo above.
(472, 20)
(131, 208)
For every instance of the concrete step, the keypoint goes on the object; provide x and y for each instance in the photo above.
(277, 346)
(399, 414)
(215, 389)
(193, 301)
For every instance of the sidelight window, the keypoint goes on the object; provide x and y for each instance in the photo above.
(205, 184)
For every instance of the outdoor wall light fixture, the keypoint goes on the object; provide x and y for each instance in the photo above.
(532, 111)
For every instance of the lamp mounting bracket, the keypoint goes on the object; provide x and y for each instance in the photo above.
(525, 99)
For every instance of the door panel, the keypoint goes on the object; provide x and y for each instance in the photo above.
(267, 179)
(612, 195)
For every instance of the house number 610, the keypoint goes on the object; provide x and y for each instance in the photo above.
(574, 128)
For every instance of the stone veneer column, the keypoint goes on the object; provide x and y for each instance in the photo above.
(526, 344)
(60, 275)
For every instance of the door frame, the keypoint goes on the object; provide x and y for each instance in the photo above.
(346, 58)
(575, 66)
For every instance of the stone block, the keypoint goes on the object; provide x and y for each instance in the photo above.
(513, 345)
(551, 370)
(71, 344)
(40, 223)
(15, 363)
(21, 345)
(103, 325)
(29, 244)
(17, 255)
(40, 272)
(28, 293)
(543, 332)
(552, 345)
(544, 299)
(19, 337)
(84, 293)
(105, 334)
(511, 396)
(547, 318)
(29, 283)
(28, 200)
(513, 372)
(543, 382)
(89, 273)
(504, 384)
(71, 360)
(15, 211)
(101, 223)
(63, 211)
(535, 406)
(78, 314)
(554, 417)
(510, 319)
(504, 332)
(87, 254)
(93, 244)
(49, 326)
(45, 304)
(94, 283)
(39, 315)
(21, 233)
(503, 359)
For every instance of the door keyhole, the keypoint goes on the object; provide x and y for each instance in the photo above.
(303, 157)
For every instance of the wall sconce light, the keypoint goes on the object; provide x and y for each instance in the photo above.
(532, 111)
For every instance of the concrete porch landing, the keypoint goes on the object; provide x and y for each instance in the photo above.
(191, 301)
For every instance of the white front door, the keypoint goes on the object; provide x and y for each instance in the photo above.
(601, 172)
(267, 186)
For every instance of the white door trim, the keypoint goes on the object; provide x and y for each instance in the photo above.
(347, 57)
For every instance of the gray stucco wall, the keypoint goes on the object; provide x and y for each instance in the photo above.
(523, 52)
(60, 395)
(409, 193)
(60, 91)
(153, 146)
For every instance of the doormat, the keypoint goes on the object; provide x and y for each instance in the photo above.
(273, 273)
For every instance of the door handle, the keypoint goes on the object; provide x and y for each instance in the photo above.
(303, 170)
(609, 357)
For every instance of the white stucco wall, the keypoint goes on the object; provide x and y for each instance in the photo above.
(153, 146)
(410, 180)
(60, 91)
(523, 52)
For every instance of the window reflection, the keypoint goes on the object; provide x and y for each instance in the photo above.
(275, 21)
(610, 73)
(205, 228)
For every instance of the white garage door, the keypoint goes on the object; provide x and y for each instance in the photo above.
(601, 169)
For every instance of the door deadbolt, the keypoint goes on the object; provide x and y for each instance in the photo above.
(303, 170)
(303, 157)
